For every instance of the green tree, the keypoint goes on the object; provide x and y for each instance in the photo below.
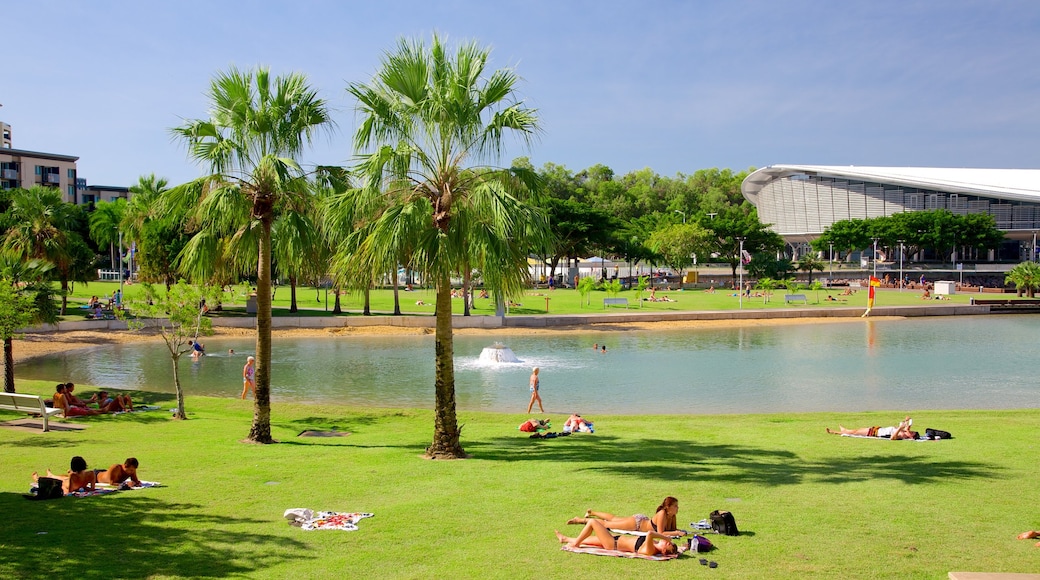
(677, 243)
(1025, 277)
(808, 263)
(25, 299)
(585, 287)
(178, 315)
(425, 114)
(104, 227)
(46, 228)
(258, 127)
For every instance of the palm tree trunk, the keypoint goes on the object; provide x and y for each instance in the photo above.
(397, 297)
(292, 294)
(336, 307)
(368, 295)
(260, 432)
(446, 426)
(180, 391)
(8, 365)
(466, 279)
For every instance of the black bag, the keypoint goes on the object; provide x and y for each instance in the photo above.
(47, 488)
(937, 434)
(722, 522)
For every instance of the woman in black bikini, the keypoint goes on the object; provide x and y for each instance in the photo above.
(596, 535)
(663, 520)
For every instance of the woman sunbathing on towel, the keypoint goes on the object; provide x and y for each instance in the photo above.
(79, 477)
(900, 432)
(596, 535)
(663, 521)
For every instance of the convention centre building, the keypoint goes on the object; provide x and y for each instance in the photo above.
(801, 201)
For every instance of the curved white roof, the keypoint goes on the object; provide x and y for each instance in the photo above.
(1010, 184)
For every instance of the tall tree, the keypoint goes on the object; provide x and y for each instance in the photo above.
(25, 298)
(425, 115)
(46, 228)
(105, 223)
(258, 127)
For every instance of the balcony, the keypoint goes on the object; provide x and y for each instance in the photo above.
(9, 174)
(52, 178)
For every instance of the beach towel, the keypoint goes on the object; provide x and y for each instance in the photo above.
(618, 553)
(308, 520)
(140, 409)
(881, 438)
(104, 489)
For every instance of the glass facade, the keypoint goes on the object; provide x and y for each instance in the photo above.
(808, 204)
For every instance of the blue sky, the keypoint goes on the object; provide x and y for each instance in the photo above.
(676, 86)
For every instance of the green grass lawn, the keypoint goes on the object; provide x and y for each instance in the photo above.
(562, 301)
(809, 504)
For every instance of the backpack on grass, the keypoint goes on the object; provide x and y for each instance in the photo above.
(722, 522)
(937, 434)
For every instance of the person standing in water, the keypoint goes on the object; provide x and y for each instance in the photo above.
(535, 396)
(249, 377)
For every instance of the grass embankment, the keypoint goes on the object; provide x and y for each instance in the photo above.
(562, 301)
(809, 504)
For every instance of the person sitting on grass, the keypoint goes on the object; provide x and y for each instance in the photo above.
(125, 474)
(60, 401)
(79, 477)
(663, 521)
(596, 535)
(902, 431)
(109, 404)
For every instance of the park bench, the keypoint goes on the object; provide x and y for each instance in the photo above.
(30, 404)
(1006, 303)
(789, 298)
(615, 302)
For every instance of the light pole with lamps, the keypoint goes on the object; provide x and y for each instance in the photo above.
(120, 268)
(683, 215)
(740, 284)
(874, 274)
(900, 265)
(830, 261)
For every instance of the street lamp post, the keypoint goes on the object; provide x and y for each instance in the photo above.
(830, 262)
(740, 284)
(874, 274)
(120, 268)
(900, 265)
(683, 215)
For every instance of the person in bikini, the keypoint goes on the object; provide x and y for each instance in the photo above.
(249, 377)
(108, 404)
(596, 535)
(663, 521)
(902, 431)
(79, 478)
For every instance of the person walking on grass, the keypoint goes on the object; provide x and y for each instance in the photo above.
(249, 377)
(535, 396)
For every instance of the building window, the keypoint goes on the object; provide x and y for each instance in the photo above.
(39, 170)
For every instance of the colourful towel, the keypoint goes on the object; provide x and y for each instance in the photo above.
(346, 522)
(617, 553)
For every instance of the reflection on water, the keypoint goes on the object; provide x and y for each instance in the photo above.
(941, 363)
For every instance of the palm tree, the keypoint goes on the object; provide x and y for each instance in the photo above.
(808, 263)
(1025, 277)
(44, 228)
(257, 129)
(105, 223)
(424, 116)
(25, 298)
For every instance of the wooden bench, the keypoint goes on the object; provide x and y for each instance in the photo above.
(789, 298)
(615, 302)
(1006, 302)
(30, 404)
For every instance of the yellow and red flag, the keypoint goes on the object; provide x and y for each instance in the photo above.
(874, 283)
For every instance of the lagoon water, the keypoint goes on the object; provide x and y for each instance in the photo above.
(972, 362)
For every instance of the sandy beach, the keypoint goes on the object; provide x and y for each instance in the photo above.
(32, 345)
